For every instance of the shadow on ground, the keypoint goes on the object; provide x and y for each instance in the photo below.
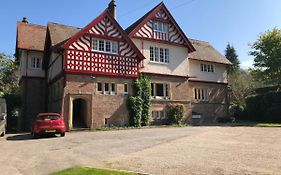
(28, 136)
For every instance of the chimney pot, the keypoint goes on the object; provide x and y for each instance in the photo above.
(24, 20)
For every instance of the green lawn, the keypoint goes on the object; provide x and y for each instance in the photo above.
(269, 124)
(91, 171)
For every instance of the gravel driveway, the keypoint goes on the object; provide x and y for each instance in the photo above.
(189, 150)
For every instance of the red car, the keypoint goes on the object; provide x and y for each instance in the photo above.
(48, 123)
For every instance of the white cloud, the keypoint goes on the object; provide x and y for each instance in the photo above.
(245, 64)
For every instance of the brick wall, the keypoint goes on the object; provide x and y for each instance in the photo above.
(216, 106)
(101, 106)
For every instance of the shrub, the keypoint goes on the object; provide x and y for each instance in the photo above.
(134, 105)
(175, 114)
(264, 107)
(237, 112)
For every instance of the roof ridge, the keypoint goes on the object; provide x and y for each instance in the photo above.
(63, 25)
(31, 24)
(192, 39)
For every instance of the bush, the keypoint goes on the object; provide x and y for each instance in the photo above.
(264, 107)
(134, 105)
(175, 114)
(237, 112)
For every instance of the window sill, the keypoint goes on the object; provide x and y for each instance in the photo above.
(155, 62)
(105, 52)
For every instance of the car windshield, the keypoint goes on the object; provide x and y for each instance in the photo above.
(48, 117)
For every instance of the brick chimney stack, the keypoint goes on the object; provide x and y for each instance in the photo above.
(112, 8)
(24, 20)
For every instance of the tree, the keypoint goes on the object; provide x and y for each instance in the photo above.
(241, 86)
(8, 75)
(230, 54)
(267, 57)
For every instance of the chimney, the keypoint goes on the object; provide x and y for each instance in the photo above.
(112, 8)
(24, 20)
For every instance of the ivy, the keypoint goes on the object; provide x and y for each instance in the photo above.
(134, 105)
(141, 100)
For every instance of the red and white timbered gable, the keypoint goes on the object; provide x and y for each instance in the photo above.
(103, 48)
(159, 25)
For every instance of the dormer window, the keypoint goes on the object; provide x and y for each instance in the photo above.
(100, 45)
(35, 63)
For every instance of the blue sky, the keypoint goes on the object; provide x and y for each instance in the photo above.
(238, 22)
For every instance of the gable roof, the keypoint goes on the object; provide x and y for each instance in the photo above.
(206, 52)
(60, 33)
(131, 30)
(30, 36)
(106, 13)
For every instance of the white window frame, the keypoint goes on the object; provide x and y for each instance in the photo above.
(210, 68)
(160, 27)
(159, 55)
(100, 45)
(35, 63)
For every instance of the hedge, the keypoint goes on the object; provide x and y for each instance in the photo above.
(264, 107)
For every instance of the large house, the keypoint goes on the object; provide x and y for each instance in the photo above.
(86, 74)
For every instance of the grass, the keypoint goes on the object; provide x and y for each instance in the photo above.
(254, 124)
(91, 171)
(268, 124)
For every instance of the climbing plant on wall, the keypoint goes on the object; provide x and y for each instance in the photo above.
(141, 99)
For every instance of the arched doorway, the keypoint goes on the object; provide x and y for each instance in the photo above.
(79, 113)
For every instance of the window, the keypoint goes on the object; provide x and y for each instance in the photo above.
(159, 115)
(201, 94)
(160, 27)
(151, 54)
(159, 90)
(35, 63)
(207, 67)
(106, 88)
(99, 87)
(159, 55)
(101, 45)
(109, 88)
(105, 46)
(126, 89)
(113, 88)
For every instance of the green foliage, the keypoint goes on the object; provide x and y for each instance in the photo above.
(230, 54)
(241, 83)
(267, 57)
(134, 105)
(142, 90)
(8, 75)
(91, 171)
(264, 107)
(175, 114)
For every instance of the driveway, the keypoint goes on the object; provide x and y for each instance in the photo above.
(188, 150)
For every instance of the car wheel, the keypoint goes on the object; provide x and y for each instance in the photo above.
(3, 134)
(62, 134)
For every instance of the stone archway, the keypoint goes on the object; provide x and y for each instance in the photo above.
(79, 111)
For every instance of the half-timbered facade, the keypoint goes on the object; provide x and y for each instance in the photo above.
(87, 73)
